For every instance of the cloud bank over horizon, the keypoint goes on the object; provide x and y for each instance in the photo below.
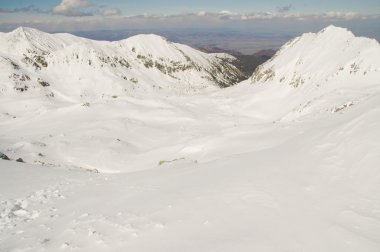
(91, 15)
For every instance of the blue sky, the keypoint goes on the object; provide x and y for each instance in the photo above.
(272, 16)
(172, 6)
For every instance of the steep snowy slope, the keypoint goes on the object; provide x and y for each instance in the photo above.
(317, 72)
(76, 68)
(331, 56)
(265, 165)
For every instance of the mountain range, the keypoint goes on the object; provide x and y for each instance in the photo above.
(50, 64)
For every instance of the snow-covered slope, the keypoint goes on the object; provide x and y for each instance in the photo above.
(318, 72)
(265, 165)
(70, 67)
(331, 56)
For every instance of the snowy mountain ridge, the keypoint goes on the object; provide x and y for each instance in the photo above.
(135, 65)
(317, 58)
(318, 67)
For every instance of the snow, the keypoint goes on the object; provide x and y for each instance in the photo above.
(98, 69)
(261, 166)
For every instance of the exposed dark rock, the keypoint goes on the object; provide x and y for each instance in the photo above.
(15, 66)
(20, 160)
(37, 61)
(41, 60)
(3, 156)
(43, 83)
(21, 88)
(134, 80)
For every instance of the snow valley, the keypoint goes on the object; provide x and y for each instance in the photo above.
(148, 145)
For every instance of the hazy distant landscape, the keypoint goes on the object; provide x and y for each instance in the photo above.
(234, 41)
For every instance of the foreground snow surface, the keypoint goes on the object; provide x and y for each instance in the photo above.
(196, 173)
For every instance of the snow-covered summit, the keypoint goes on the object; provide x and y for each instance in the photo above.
(24, 39)
(315, 73)
(145, 44)
(331, 55)
(335, 30)
(26, 31)
(147, 39)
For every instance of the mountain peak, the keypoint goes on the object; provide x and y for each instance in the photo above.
(334, 30)
(24, 31)
(148, 39)
(150, 36)
(332, 55)
(20, 31)
(24, 38)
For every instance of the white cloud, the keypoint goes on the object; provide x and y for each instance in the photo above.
(78, 8)
(226, 13)
(109, 12)
(72, 7)
(106, 17)
(202, 13)
(344, 15)
(332, 15)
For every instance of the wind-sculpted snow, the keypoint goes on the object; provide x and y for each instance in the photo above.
(261, 166)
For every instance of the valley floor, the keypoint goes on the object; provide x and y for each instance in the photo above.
(197, 173)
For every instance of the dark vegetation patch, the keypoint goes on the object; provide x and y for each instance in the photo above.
(247, 64)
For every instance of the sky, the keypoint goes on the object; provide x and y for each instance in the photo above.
(133, 7)
(270, 16)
